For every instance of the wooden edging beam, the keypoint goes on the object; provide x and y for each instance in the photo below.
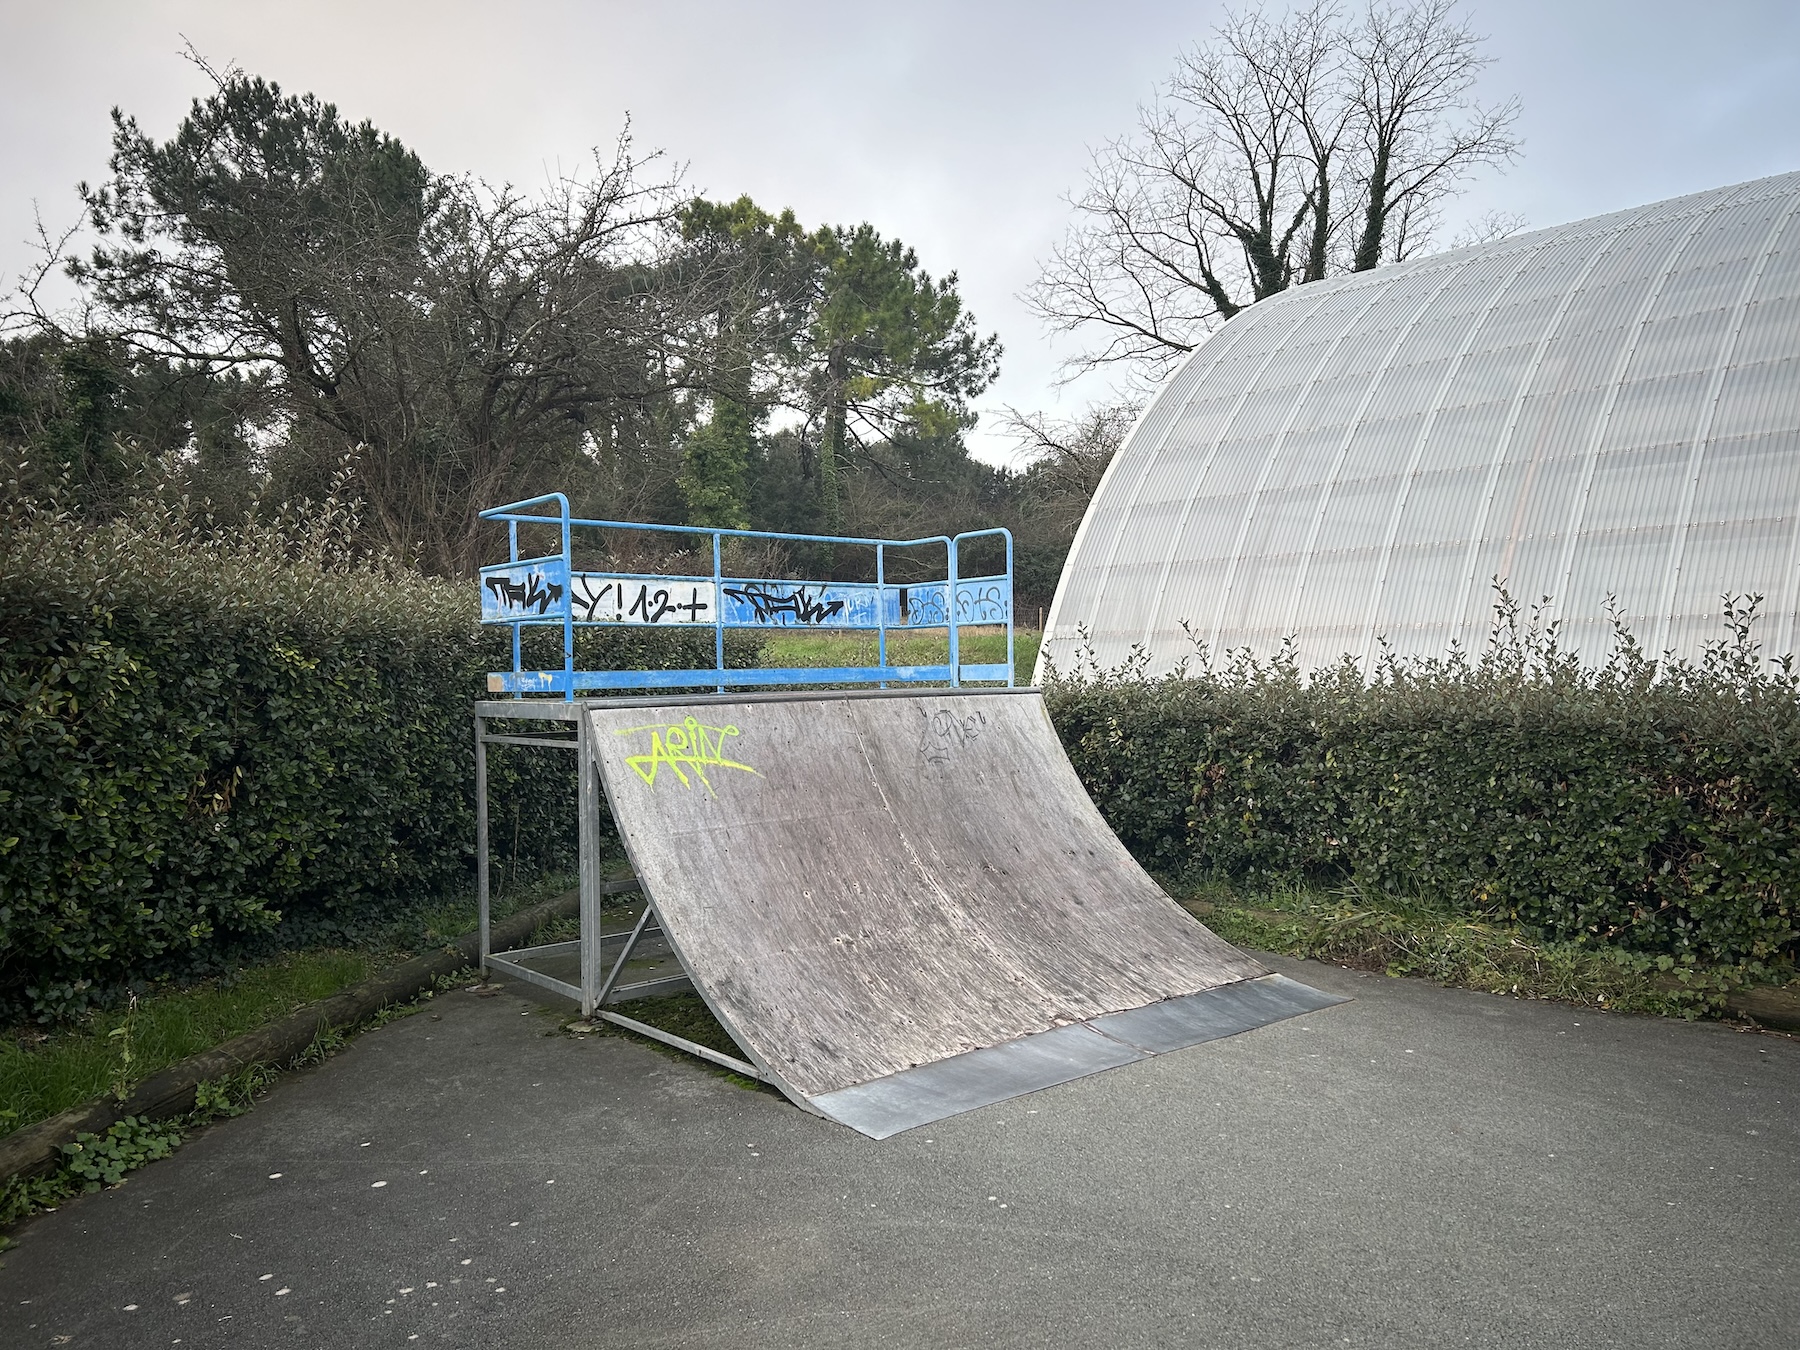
(37, 1148)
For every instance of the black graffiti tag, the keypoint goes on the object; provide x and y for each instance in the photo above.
(587, 599)
(533, 592)
(923, 608)
(652, 606)
(768, 603)
(945, 733)
(984, 605)
(655, 606)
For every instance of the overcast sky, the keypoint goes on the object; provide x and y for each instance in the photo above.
(956, 127)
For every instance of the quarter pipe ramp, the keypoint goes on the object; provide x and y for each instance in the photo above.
(904, 905)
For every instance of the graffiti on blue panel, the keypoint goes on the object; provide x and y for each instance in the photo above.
(783, 603)
(598, 598)
(789, 604)
(923, 606)
(982, 602)
(920, 606)
(530, 590)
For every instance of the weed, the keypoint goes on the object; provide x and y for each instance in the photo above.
(98, 1160)
(122, 1078)
(94, 1161)
(109, 1052)
(222, 1098)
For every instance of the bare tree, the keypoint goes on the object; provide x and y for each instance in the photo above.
(1283, 151)
(1069, 456)
(1420, 131)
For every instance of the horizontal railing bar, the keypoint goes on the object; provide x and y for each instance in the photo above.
(508, 513)
(532, 740)
(681, 1043)
(731, 626)
(732, 580)
(556, 681)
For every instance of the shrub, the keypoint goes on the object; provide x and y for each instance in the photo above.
(206, 730)
(1655, 807)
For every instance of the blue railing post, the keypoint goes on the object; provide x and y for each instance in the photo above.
(718, 613)
(568, 602)
(512, 552)
(881, 609)
(1009, 611)
(950, 613)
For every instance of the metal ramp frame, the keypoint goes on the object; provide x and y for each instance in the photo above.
(599, 984)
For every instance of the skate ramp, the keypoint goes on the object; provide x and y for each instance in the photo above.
(904, 905)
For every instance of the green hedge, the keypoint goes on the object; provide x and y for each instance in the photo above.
(208, 732)
(1657, 810)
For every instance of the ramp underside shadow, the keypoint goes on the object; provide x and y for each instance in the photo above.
(868, 888)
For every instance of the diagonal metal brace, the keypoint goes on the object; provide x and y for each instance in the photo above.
(631, 942)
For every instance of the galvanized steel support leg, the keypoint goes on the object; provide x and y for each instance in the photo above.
(481, 836)
(588, 804)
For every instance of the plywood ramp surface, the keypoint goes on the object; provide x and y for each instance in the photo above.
(864, 885)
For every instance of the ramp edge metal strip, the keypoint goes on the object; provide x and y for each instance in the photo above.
(884, 1107)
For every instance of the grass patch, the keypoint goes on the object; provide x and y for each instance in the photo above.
(810, 648)
(111, 1051)
(1396, 936)
(98, 1161)
(43, 1073)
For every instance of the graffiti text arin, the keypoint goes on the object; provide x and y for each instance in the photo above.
(685, 748)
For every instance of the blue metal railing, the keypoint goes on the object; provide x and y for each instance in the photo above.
(549, 591)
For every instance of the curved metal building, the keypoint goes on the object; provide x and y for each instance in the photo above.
(1610, 407)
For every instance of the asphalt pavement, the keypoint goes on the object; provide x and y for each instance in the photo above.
(1418, 1167)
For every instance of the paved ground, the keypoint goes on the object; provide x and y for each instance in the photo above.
(1421, 1167)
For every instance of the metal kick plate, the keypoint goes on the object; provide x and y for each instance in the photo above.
(1176, 1023)
(902, 1101)
(963, 1082)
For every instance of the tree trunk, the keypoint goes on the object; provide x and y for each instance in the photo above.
(1368, 247)
(831, 443)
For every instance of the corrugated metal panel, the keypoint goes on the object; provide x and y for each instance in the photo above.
(1608, 408)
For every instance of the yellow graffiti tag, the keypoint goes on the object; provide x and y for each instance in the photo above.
(685, 748)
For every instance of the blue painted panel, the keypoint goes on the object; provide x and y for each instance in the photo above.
(537, 590)
(557, 682)
(984, 600)
(524, 590)
(608, 597)
(798, 604)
